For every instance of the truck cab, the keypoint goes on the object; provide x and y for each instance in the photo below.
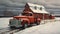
(24, 21)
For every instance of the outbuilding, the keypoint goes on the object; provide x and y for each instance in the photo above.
(37, 11)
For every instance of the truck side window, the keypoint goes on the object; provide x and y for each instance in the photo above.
(30, 14)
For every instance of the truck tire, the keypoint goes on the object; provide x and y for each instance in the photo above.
(38, 23)
(25, 26)
(12, 27)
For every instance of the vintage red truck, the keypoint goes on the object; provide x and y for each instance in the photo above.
(24, 21)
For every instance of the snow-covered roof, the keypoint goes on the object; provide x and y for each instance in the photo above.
(31, 6)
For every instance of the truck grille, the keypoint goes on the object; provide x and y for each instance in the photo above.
(15, 22)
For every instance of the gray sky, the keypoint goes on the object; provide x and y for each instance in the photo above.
(52, 5)
(49, 3)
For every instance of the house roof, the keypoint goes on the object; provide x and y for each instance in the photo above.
(31, 6)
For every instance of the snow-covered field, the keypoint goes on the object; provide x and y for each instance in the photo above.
(4, 22)
(48, 28)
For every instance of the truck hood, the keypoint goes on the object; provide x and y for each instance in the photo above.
(20, 17)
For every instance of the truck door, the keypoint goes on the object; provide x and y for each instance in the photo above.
(31, 17)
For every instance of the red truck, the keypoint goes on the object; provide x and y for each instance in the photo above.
(24, 21)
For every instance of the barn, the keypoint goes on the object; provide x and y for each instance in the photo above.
(37, 11)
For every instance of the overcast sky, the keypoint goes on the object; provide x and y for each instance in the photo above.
(49, 3)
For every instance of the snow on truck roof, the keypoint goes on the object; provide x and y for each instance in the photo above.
(37, 8)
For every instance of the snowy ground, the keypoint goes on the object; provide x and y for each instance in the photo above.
(48, 28)
(4, 22)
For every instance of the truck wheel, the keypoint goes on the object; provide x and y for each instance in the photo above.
(25, 26)
(12, 27)
(38, 23)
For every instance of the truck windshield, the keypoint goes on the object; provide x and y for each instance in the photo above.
(30, 14)
(27, 14)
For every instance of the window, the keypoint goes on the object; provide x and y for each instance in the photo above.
(40, 8)
(35, 7)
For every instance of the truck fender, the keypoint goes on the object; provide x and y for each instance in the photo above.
(25, 21)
